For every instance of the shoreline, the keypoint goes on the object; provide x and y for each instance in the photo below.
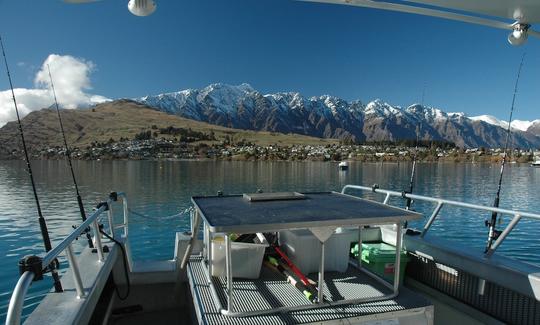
(167, 149)
(354, 161)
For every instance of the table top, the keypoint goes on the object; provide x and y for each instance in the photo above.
(237, 214)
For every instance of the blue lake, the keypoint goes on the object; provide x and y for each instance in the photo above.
(160, 190)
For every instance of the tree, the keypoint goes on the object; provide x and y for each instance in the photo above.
(143, 135)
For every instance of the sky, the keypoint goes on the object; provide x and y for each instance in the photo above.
(99, 50)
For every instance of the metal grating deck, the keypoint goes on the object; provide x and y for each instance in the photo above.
(271, 291)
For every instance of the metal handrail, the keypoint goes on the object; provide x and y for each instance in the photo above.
(443, 201)
(517, 215)
(16, 302)
(53, 253)
(17, 299)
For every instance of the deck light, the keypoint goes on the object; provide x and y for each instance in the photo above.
(519, 35)
(142, 7)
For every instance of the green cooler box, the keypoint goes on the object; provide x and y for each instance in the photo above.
(380, 258)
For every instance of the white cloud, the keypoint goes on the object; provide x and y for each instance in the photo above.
(71, 77)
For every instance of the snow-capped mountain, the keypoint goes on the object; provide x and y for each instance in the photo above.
(490, 119)
(516, 124)
(534, 128)
(331, 117)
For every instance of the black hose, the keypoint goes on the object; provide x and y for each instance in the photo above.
(126, 272)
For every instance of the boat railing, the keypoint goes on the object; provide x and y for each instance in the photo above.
(516, 215)
(16, 302)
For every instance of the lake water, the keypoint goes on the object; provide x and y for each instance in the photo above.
(159, 191)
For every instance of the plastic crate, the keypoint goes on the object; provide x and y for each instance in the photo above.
(304, 250)
(246, 258)
(380, 259)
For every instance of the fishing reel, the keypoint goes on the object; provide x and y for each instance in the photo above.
(87, 232)
(83, 233)
(34, 264)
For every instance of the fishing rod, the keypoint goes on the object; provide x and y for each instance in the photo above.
(281, 255)
(413, 171)
(68, 157)
(494, 233)
(42, 224)
(305, 281)
(274, 264)
(277, 256)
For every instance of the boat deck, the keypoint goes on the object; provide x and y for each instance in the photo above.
(272, 291)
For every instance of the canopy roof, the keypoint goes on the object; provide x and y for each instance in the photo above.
(525, 11)
(503, 14)
(235, 213)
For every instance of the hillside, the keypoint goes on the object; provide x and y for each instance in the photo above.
(124, 119)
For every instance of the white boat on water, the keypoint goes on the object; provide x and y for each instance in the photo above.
(215, 280)
(219, 281)
(344, 165)
(535, 163)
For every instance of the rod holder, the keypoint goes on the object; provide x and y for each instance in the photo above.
(79, 287)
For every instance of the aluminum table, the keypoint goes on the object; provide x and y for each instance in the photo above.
(320, 212)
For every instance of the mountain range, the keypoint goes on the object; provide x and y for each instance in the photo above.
(243, 107)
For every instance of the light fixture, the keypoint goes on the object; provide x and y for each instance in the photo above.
(519, 34)
(141, 7)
